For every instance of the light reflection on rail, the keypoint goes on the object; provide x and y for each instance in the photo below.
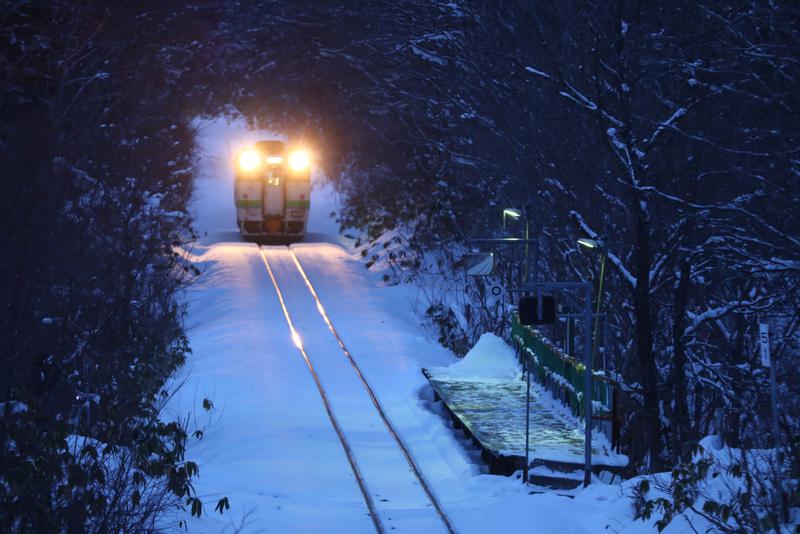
(409, 458)
(334, 421)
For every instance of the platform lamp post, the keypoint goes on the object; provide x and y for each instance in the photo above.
(517, 214)
(600, 245)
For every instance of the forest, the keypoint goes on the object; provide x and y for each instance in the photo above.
(670, 132)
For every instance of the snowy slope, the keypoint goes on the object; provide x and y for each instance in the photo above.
(251, 376)
(269, 445)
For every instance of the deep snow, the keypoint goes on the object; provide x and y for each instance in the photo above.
(491, 357)
(268, 444)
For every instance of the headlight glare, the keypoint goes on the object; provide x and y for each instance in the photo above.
(299, 160)
(249, 160)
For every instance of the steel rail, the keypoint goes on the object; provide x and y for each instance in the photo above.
(326, 402)
(389, 426)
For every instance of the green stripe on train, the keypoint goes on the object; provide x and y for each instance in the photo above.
(248, 203)
(298, 204)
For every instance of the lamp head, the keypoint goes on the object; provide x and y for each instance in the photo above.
(590, 243)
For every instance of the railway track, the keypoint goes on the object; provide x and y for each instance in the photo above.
(289, 266)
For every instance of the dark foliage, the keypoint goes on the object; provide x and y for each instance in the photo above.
(97, 167)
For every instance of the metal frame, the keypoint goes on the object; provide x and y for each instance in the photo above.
(538, 287)
(503, 240)
(587, 314)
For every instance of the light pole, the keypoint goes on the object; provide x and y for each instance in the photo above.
(601, 245)
(593, 244)
(517, 214)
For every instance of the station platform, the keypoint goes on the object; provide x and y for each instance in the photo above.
(492, 412)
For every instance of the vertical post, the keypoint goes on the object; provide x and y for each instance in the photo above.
(615, 446)
(605, 344)
(525, 477)
(571, 336)
(778, 452)
(596, 335)
(503, 313)
(763, 334)
(587, 386)
(608, 386)
(536, 258)
(527, 234)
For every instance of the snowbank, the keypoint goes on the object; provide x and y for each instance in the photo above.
(491, 357)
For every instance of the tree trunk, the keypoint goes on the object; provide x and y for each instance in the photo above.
(681, 426)
(648, 373)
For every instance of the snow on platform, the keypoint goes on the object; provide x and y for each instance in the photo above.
(494, 413)
(485, 394)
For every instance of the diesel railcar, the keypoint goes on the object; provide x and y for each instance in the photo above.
(272, 191)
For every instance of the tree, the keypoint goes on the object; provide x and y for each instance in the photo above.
(97, 163)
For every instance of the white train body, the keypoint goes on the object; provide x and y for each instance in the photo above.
(272, 191)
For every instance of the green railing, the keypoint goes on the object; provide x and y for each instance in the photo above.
(561, 373)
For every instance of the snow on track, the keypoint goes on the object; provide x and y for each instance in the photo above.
(412, 463)
(402, 503)
(298, 341)
(268, 444)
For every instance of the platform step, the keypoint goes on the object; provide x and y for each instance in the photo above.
(555, 483)
(543, 475)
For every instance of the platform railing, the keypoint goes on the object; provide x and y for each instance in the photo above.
(562, 376)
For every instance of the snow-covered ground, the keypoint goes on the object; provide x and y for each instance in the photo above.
(269, 445)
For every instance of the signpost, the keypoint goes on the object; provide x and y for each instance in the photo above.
(481, 264)
(763, 338)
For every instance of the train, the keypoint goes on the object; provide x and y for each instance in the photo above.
(272, 192)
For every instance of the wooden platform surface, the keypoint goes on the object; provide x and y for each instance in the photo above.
(493, 413)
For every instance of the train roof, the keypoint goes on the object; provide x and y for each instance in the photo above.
(271, 147)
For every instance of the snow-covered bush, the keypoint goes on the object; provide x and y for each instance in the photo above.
(96, 155)
(733, 490)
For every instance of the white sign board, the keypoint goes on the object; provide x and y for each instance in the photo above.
(763, 337)
(478, 264)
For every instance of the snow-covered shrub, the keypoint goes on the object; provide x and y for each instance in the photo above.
(96, 155)
(734, 490)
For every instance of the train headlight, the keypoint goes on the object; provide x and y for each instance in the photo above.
(299, 160)
(249, 160)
